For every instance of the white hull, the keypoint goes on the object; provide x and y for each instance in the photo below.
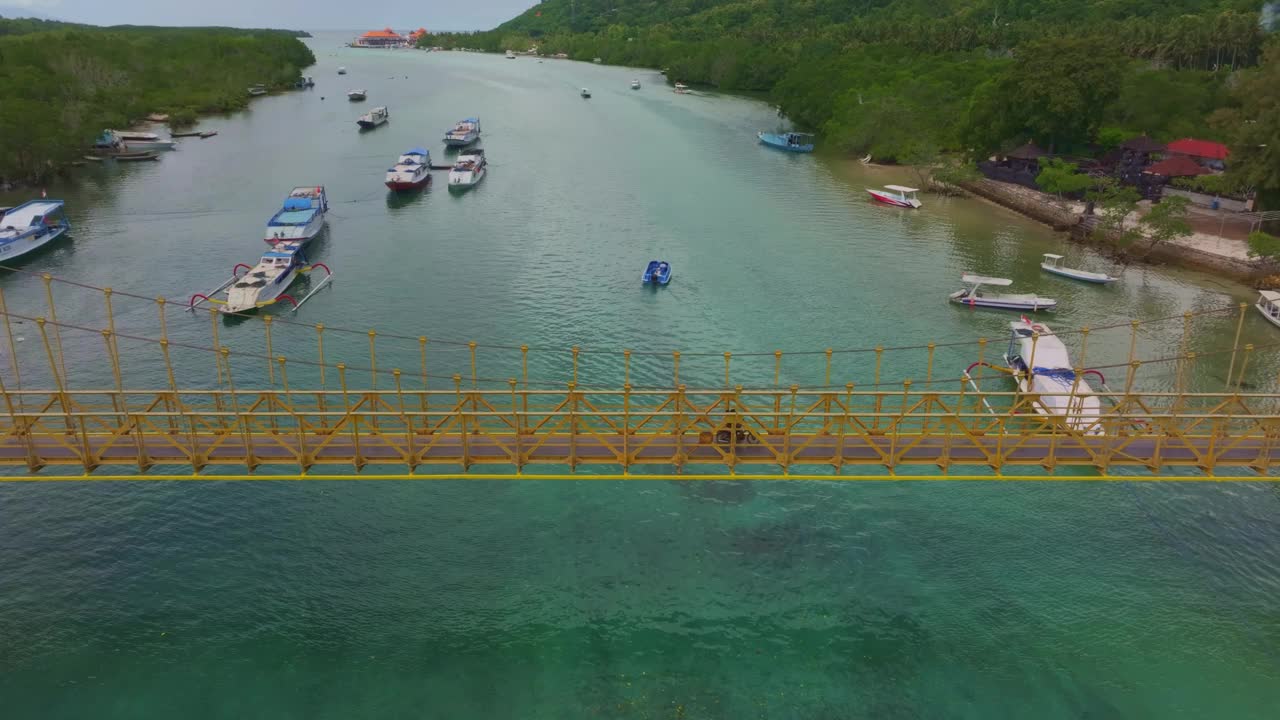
(1273, 319)
(18, 248)
(140, 145)
(1003, 302)
(465, 179)
(461, 141)
(251, 298)
(299, 233)
(1081, 275)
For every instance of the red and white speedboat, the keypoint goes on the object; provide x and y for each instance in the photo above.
(896, 195)
(412, 170)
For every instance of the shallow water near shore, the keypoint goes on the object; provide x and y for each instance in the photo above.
(732, 599)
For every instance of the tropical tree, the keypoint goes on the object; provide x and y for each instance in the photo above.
(1166, 221)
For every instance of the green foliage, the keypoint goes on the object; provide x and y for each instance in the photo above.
(61, 88)
(1115, 202)
(1252, 129)
(896, 78)
(1264, 246)
(1166, 221)
(1060, 177)
(1229, 184)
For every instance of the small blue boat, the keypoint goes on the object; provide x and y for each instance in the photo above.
(791, 142)
(657, 273)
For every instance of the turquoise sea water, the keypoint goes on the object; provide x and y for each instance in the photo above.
(663, 599)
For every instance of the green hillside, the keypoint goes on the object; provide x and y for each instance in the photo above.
(62, 86)
(905, 79)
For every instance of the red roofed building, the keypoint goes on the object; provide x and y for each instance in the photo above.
(381, 38)
(416, 34)
(1178, 166)
(1199, 149)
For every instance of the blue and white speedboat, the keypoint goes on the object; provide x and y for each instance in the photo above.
(464, 133)
(29, 226)
(657, 273)
(301, 217)
(791, 142)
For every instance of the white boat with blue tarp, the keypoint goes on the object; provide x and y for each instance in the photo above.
(411, 171)
(1053, 264)
(657, 272)
(791, 142)
(1042, 367)
(463, 133)
(974, 296)
(29, 226)
(301, 217)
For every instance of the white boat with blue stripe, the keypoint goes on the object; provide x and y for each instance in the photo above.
(301, 218)
(29, 226)
(974, 296)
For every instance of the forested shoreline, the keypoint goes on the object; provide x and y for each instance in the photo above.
(908, 82)
(61, 85)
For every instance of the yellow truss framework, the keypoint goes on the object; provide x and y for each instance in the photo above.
(634, 433)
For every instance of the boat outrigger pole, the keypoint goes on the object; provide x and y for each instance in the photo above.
(207, 297)
(328, 278)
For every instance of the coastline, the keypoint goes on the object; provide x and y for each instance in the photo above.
(1221, 256)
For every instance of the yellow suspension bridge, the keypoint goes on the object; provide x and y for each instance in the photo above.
(267, 415)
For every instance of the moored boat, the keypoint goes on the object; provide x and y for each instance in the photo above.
(974, 296)
(1269, 305)
(304, 82)
(635, 84)
(682, 88)
(135, 156)
(657, 272)
(584, 93)
(1042, 367)
(267, 280)
(342, 70)
(791, 142)
(411, 171)
(258, 89)
(373, 118)
(133, 141)
(29, 226)
(1053, 264)
(356, 95)
(301, 216)
(469, 169)
(511, 55)
(896, 195)
(463, 133)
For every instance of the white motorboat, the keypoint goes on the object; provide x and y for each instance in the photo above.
(1269, 305)
(468, 171)
(511, 55)
(301, 216)
(1053, 264)
(1042, 366)
(29, 226)
(356, 95)
(974, 296)
(373, 118)
(463, 132)
(896, 195)
(412, 170)
(682, 88)
(635, 84)
(138, 141)
(342, 71)
(267, 280)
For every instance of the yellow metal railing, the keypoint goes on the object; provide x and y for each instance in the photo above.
(666, 431)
